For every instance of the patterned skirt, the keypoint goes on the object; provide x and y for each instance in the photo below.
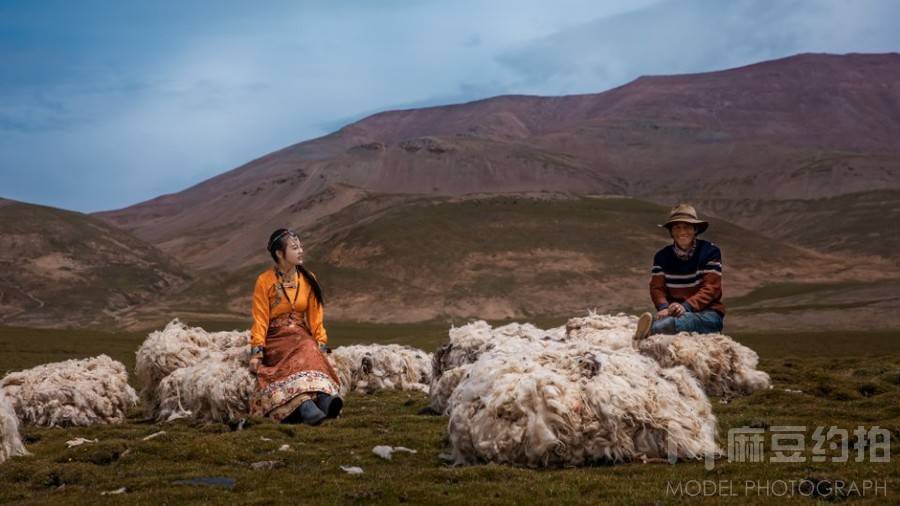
(293, 369)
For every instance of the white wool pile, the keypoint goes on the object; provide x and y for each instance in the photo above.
(74, 392)
(612, 332)
(178, 346)
(214, 390)
(549, 403)
(470, 341)
(467, 343)
(10, 440)
(442, 388)
(374, 367)
(724, 367)
(186, 371)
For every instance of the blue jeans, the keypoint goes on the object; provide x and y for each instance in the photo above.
(702, 322)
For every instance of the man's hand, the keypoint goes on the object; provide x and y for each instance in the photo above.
(254, 363)
(676, 309)
(662, 313)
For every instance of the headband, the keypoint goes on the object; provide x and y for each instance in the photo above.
(279, 236)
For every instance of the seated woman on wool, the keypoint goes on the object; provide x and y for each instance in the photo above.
(685, 280)
(295, 381)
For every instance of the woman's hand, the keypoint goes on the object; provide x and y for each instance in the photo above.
(254, 363)
(676, 309)
(663, 313)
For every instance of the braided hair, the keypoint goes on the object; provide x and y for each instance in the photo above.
(278, 242)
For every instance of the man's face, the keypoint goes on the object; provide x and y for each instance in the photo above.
(684, 234)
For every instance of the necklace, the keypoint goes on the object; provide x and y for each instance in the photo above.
(285, 282)
(285, 286)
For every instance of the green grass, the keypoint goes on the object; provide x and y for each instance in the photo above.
(776, 344)
(845, 392)
(775, 291)
(846, 381)
(21, 348)
(540, 257)
(863, 223)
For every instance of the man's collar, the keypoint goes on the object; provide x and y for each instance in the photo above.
(688, 253)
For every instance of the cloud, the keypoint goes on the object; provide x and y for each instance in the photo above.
(106, 111)
(676, 37)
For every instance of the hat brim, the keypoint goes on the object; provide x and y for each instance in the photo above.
(701, 225)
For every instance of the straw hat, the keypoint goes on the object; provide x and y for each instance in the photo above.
(687, 214)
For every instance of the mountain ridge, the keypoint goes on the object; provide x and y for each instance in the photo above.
(765, 130)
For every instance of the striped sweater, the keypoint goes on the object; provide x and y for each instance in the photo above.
(696, 283)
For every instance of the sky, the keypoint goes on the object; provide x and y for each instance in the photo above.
(105, 104)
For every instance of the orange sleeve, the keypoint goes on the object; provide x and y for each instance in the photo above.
(658, 291)
(710, 290)
(260, 313)
(315, 315)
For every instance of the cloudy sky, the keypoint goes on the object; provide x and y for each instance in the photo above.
(106, 104)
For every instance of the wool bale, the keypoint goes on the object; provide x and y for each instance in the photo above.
(612, 332)
(442, 388)
(216, 389)
(374, 367)
(468, 342)
(178, 346)
(186, 371)
(10, 440)
(73, 392)
(547, 404)
(724, 367)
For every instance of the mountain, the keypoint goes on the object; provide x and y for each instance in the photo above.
(62, 268)
(810, 126)
(525, 256)
(540, 256)
(859, 224)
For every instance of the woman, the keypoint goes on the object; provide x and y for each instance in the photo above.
(295, 381)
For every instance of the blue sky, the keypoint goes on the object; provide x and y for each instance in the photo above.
(107, 104)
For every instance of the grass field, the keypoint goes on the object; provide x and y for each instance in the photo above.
(819, 379)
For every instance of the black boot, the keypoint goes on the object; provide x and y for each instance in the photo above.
(310, 414)
(331, 405)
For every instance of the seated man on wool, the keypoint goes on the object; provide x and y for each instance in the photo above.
(685, 280)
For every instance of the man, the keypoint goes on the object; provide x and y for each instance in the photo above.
(685, 280)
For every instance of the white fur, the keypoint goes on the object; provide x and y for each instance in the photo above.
(178, 346)
(724, 367)
(215, 389)
(10, 440)
(374, 367)
(443, 387)
(74, 392)
(468, 342)
(612, 332)
(188, 372)
(541, 404)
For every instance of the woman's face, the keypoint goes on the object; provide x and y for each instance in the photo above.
(684, 234)
(293, 251)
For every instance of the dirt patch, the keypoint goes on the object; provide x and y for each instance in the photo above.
(57, 267)
(354, 257)
(540, 259)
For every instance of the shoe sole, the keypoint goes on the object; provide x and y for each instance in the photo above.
(643, 327)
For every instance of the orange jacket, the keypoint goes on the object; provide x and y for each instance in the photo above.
(269, 302)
